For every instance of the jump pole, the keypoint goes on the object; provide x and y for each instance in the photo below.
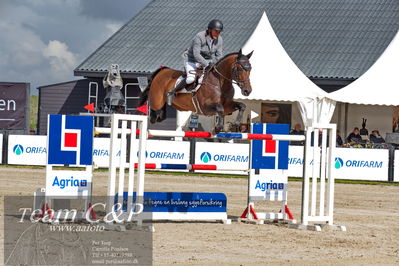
(205, 134)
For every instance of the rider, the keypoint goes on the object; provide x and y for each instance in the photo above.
(205, 50)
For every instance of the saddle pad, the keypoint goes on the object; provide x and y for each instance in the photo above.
(199, 83)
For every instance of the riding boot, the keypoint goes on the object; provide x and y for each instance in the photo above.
(171, 94)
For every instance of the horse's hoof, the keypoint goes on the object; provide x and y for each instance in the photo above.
(153, 120)
(160, 119)
(217, 130)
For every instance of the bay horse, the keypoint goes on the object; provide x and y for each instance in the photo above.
(214, 97)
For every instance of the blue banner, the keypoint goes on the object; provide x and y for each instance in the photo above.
(70, 140)
(270, 154)
(181, 202)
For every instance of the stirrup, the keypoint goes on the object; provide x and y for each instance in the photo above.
(169, 97)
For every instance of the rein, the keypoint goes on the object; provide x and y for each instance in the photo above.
(234, 80)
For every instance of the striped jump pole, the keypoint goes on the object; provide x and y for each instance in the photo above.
(223, 135)
(186, 167)
(205, 134)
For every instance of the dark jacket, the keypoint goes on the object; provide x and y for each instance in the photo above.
(376, 139)
(354, 138)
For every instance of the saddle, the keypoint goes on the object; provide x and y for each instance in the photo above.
(193, 87)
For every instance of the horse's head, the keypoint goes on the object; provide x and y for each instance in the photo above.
(241, 70)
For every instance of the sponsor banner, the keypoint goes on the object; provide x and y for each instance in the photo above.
(356, 164)
(223, 155)
(268, 176)
(182, 202)
(1, 148)
(350, 163)
(63, 183)
(31, 150)
(295, 161)
(70, 140)
(266, 181)
(13, 105)
(396, 167)
(361, 164)
(270, 154)
(158, 151)
(27, 149)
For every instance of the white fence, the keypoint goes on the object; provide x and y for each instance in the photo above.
(351, 163)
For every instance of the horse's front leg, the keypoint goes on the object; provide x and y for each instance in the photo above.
(220, 123)
(217, 109)
(241, 108)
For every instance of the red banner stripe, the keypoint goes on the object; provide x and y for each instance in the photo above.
(270, 146)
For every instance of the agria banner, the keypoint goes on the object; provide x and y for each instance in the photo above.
(268, 174)
(70, 140)
(70, 143)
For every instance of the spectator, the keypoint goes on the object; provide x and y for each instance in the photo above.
(244, 128)
(375, 137)
(319, 140)
(339, 139)
(355, 137)
(297, 131)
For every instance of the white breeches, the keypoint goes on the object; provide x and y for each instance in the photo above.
(190, 70)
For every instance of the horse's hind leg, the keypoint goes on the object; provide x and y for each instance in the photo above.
(158, 115)
(162, 114)
(153, 116)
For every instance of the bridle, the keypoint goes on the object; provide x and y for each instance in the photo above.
(239, 65)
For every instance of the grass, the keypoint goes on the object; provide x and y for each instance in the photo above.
(340, 181)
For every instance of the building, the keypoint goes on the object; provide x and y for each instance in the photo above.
(332, 42)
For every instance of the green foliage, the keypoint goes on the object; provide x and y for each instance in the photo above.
(34, 103)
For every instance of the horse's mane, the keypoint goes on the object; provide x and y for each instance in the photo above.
(227, 55)
(156, 72)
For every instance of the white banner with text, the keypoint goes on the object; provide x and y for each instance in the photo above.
(350, 163)
(31, 150)
(234, 156)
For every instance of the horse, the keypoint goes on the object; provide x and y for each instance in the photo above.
(214, 97)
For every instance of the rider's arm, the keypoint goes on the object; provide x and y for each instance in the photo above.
(197, 51)
(219, 50)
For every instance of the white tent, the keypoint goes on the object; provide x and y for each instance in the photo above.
(275, 77)
(379, 85)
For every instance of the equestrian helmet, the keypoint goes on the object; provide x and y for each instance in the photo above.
(215, 24)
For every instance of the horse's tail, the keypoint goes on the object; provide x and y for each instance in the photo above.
(144, 94)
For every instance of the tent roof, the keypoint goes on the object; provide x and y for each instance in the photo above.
(274, 75)
(379, 85)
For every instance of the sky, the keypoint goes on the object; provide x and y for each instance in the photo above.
(43, 41)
